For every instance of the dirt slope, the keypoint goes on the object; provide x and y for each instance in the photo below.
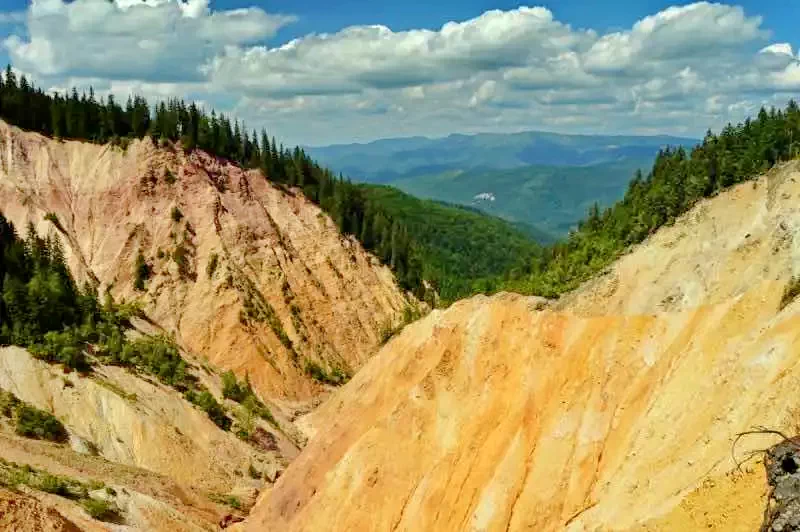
(165, 458)
(615, 409)
(254, 278)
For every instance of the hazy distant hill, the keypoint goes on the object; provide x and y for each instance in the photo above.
(387, 159)
(551, 198)
(545, 180)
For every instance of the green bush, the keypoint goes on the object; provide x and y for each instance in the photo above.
(141, 272)
(169, 177)
(231, 389)
(228, 500)
(336, 377)
(100, 509)
(176, 214)
(212, 265)
(181, 258)
(38, 424)
(53, 484)
(210, 406)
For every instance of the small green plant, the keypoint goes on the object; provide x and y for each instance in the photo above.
(213, 262)
(176, 214)
(38, 424)
(169, 177)
(53, 484)
(228, 500)
(181, 258)
(791, 292)
(336, 377)
(210, 406)
(100, 509)
(141, 272)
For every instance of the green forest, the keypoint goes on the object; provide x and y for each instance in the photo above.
(455, 251)
(457, 246)
(676, 182)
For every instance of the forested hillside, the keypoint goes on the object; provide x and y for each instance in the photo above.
(458, 247)
(678, 179)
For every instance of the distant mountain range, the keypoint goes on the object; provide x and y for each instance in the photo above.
(539, 179)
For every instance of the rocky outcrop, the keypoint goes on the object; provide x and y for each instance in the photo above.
(615, 408)
(251, 277)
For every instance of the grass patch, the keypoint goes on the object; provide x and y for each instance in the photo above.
(228, 500)
(13, 475)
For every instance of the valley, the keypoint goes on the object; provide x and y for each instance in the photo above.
(201, 329)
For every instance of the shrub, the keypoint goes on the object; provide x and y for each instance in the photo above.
(253, 472)
(176, 214)
(231, 389)
(169, 177)
(38, 424)
(212, 265)
(181, 258)
(337, 377)
(65, 347)
(791, 292)
(210, 406)
(141, 272)
(101, 510)
(228, 500)
(53, 484)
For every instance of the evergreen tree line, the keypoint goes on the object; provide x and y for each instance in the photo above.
(675, 183)
(84, 117)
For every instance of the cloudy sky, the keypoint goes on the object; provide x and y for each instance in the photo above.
(315, 72)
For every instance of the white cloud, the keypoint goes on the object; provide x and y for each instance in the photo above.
(155, 40)
(679, 71)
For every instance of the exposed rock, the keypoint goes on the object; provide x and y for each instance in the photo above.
(599, 413)
(253, 277)
(783, 474)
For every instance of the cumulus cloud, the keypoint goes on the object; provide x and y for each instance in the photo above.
(153, 40)
(680, 70)
(377, 57)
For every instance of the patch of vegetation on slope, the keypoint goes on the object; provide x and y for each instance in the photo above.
(677, 181)
(458, 247)
(42, 309)
(14, 476)
(29, 421)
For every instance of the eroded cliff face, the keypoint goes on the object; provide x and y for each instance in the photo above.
(254, 278)
(612, 409)
(245, 276)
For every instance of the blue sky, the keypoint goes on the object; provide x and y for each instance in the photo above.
(421, 68)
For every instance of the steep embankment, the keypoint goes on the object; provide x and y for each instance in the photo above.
(615, 408)
(254, 278)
